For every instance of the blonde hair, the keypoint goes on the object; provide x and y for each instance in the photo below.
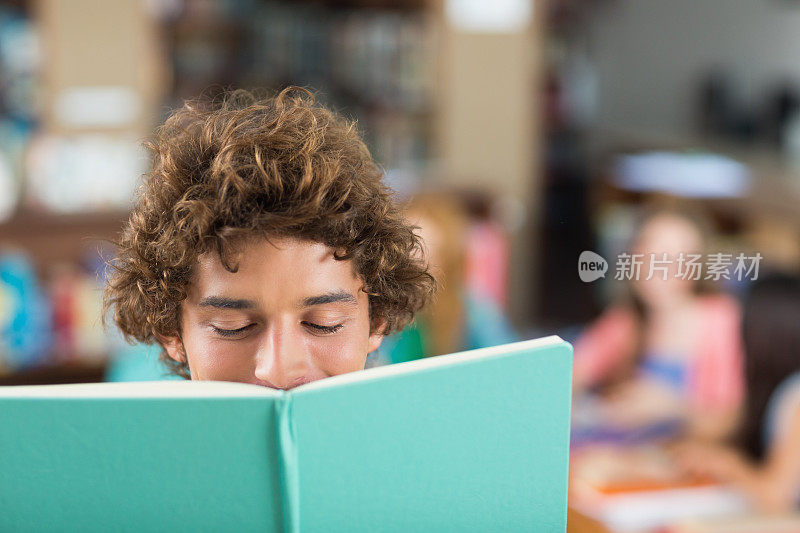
(445, 317)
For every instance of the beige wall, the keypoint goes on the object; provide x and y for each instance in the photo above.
(487, 130)
(649, 56)
(99, 43)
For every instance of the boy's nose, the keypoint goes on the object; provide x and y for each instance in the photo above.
(282, 361)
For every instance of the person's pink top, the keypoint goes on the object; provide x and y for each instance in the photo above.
(715, 376)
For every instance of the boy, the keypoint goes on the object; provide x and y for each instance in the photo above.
(263, 247)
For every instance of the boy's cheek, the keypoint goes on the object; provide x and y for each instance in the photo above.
(210, 361)
(342, 355)
(222, 360)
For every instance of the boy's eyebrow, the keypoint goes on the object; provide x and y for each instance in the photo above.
(220, 302)
(330, 297)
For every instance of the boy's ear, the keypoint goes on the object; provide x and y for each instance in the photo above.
(376, 337)
(174, 347)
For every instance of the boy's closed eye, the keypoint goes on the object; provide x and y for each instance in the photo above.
(232, 332)
(318, 328)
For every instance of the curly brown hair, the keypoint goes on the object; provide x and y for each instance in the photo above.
(243, 166)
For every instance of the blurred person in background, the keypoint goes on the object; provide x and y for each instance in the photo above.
(669, 352)
(460, 317)
(766, 464)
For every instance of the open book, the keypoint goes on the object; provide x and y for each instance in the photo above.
(475, 441)
(633, 488)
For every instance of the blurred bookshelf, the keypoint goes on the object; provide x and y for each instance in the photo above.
(372, 61)
(568, 109)
(52, 237)
(90, 80)
(68, 171)
(51, 267)
(54, 374)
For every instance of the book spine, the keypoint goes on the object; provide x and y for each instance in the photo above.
(290, 489)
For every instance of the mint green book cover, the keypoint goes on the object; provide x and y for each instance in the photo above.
(476, 441)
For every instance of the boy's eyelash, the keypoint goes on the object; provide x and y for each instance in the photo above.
(316, 327)
(324, 329)
(230, 332)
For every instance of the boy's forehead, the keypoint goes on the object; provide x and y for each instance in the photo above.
(289, 267)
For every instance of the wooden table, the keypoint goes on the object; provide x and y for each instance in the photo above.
(579, 523)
